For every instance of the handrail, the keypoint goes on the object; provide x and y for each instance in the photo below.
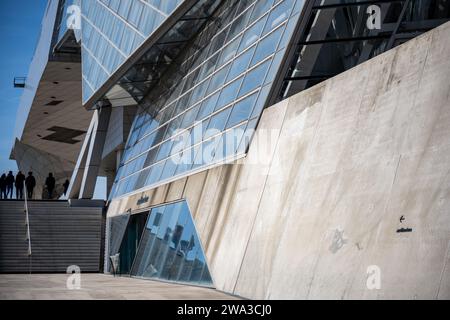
(27, 221)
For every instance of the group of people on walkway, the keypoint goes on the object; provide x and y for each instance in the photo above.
(20, 182)
(8, 182)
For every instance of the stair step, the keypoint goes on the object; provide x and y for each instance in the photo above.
(60, 236)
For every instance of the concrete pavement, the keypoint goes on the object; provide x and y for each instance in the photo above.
(98, 287)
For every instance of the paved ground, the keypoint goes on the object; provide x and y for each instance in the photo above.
(98, 286)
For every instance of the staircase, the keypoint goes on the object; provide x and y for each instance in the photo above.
(61, 235)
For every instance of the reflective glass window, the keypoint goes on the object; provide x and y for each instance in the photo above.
(208, 106)
(278, 15)
(239, 25)
(217, 123)
(135, 12)
(124, 8)
(254, 78)
(170, 248)
(229, 51)
(267, 46)
(155, 173)
(241, 64)
(199, 93)
(218, 79)
(261, 7)
(252, 34)
(228, 93)
(242, 110)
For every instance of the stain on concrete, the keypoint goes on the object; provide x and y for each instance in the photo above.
(338, 241)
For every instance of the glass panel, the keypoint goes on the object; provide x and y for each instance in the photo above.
(164, 150)
(141, 264)
(190, 116)
(193, 70)
(252, 34)
(135, 12)
(267, 46)
(238, 25)
(229, 51)
(264, 92)
(124, 8)
(118, 227)
(169, 168)
(241, 64)
(261, 7)
(228, 93)
(241, 110)
(208, 106)
(278, 15)
(218, 79)
(170, 248)
(156, 173)
(229, 143)
(254, 78)
(217, 123)
(206, 152)
(130, 241)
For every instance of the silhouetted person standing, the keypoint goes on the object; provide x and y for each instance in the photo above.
(20, 180)
(10, 185)
(30, 183)
(50, 183)
(3, 187)
(66, 186)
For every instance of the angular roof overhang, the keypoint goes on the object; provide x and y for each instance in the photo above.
(56, 121)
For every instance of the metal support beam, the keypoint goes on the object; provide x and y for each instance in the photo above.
(84, 177)
(397, 25)
(307, 63)
(352, 4)
(94, 156)
(307, 59)
(363, 38)
(77, 174)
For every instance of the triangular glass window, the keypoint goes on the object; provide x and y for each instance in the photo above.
(170, 249)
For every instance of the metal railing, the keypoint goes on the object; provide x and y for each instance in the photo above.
(27, 222)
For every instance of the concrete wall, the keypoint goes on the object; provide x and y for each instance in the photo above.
(349, 158)
(41, 164)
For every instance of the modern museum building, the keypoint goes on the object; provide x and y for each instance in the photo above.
(271, 149)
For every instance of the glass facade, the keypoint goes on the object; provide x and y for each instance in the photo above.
(162, 244)
(62, 14)
(112, 30)
(209, 110)
(333, 39)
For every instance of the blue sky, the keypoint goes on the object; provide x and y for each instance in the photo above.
(20, 22)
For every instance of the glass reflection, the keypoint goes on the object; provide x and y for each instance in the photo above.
(206, 91)
(170, 248)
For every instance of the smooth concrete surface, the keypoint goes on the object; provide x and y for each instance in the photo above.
(98, 287)
(41, 163)
(354, 160)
